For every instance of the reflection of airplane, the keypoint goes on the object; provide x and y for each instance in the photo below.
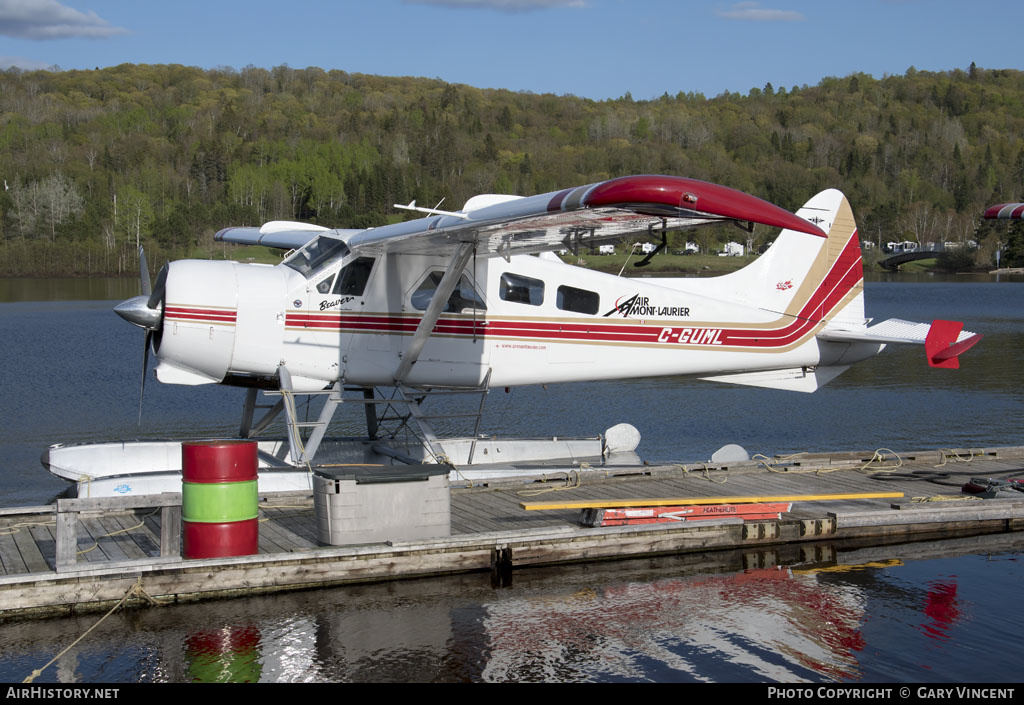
(454, 301)
(763, 624)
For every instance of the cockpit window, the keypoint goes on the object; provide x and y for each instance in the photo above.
(324, 287)
(463, 297)
(315, 254)
(353, 277)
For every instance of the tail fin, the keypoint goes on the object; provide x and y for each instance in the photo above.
(805, 276)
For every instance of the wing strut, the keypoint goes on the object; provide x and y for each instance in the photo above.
(430, 317)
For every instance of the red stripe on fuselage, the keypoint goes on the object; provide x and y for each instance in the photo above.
(845, 273)
(199, 315)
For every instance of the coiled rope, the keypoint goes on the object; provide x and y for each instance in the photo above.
(572, 480)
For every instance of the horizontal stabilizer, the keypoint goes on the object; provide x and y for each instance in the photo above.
(893, 330)
(794, 379)
(943, 340)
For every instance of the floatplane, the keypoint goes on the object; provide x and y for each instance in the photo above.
(462, 302)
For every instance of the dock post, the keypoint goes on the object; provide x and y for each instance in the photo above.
(170, 530)
(66, 539)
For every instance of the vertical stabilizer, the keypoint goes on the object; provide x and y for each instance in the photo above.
(800, 275)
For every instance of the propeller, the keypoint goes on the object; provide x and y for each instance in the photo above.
(145, 311)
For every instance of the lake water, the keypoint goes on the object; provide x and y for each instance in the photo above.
(72, 371)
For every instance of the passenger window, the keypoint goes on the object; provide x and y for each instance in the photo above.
(353, 277)
(578, 300)
(464, 296)
(522, 290)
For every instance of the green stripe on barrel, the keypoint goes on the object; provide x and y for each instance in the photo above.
(220, 501)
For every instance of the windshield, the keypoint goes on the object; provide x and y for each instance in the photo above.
(315, 254)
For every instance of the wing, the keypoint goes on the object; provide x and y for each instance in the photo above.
(281, 234)
(585, 215)
(630, 205)
(1005, 211)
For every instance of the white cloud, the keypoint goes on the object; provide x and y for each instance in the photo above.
(49, 19)
(753, 12)
(501, 5)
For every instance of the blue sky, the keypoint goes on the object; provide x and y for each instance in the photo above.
(593, 48)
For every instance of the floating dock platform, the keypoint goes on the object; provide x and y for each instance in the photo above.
(90, 554)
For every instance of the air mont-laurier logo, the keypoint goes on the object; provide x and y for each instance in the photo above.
(637, 306)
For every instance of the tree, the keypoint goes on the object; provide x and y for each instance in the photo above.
(43, 205)
(135, 214)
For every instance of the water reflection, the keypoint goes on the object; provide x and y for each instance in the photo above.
(759, 624)
(835, 614)
(942, 608)
(230, 654)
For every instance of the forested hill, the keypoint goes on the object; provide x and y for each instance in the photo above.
(94, 162)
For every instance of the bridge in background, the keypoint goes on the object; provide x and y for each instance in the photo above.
(893, 261)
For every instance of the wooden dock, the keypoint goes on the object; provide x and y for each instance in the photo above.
(88, 554)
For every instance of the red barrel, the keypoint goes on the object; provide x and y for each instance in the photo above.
(219, 499)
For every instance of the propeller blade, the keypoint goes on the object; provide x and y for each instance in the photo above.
(147, 285)
(156, 299)
(145, 367)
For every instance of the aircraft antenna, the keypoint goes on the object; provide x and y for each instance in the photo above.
(430, 211)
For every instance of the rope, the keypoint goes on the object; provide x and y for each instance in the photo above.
(87, 479)
(945, 452)
(458, 473)
(705, 473)
(878, 456)
(16, 528)
(947, 498)
(769, 463)
(572, 476)
(115, 533)
(135, 590)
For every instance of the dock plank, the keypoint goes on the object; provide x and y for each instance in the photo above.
(42, 534)
(9, 554)
(127, 532)
(106, 546)
(277, 528)
(30, 553)
(300, 523)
